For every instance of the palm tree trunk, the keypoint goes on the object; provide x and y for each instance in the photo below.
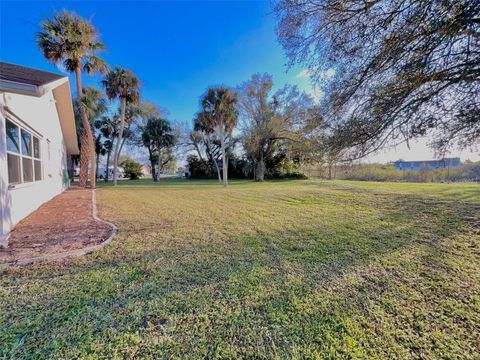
(152, 163)
(88, 131)
(218, 171)
(195, 144)
(108, 163)
(212, 158)
(116, 155)
(96, 165)
(123, 140)
(83, 176)
(159, 163)
(224, 160)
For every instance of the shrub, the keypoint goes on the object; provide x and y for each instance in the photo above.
(132, 168)
(278, 167)
(469, 171)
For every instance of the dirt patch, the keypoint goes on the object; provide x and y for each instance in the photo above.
(62, 224)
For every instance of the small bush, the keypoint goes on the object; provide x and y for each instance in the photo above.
(132, 168)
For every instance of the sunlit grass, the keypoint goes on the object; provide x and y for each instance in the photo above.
(287, 269)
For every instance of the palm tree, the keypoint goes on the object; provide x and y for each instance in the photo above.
(94, 104)
(132, 113)
(219, 113)
(122, 84)
(107, 127)
(157, 136)
(72, 42)
(202, 131)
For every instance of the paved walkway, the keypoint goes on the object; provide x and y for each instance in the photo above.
(63, 224)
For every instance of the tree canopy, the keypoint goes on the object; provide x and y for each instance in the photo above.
(218, 115)
(284, 123)
(392, 70)
(123, 84)
(69, 39)
(159, 138)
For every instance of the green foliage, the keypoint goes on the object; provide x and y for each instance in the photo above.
(158, 137)
(379, 172)
(122, 83)
(218, 110)
(239, 168)
(388, 68)
(283, 124)
(94, 104)
(276, 270)
(132, 168)
(218, 117)
(72, 41)
(200, 169)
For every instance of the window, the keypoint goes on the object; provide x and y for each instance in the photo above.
(23, 155)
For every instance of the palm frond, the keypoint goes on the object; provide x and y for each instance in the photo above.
(70, 40)
(122, 83)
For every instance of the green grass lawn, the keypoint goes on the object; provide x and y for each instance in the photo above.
(287, 269)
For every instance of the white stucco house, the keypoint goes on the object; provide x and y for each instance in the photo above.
(37, 135)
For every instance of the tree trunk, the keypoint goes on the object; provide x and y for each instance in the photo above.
(116, 155)
(96, 165)
(260, 169)
(83, 176)
(88, 131)
(159, 163)
(123, 140)
(108, 163)
(218, 171)
(71, 167)
(212, 158)
(224, 160)
(152, 163)
(199, 153)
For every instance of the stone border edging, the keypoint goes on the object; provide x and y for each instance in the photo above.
(76, 252)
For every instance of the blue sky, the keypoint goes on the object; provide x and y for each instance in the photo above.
(177, 49)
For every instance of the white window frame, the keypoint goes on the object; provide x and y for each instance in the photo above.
(33, 134)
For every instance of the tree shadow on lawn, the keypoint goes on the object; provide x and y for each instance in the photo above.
(466, 191)
(255, 294)
(171, 183)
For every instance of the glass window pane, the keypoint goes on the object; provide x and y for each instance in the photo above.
(27, 170)
(12, 137)
(36, 147)
(38, 170)
(26, 143)
(13, 162)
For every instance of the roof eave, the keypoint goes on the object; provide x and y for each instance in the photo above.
(19, 88)
(63, 102)
(29, 89)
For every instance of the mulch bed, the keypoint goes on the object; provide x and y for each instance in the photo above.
(62, 224)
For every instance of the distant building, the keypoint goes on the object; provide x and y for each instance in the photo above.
(146, 170)
(427, 164)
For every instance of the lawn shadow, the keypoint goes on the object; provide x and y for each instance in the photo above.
(253, 278)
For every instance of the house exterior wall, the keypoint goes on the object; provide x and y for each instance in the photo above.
(39, 116)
